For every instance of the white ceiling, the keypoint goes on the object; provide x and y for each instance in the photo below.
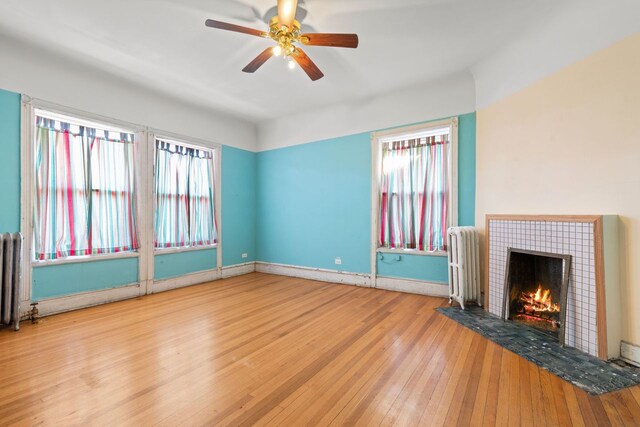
(164, 45)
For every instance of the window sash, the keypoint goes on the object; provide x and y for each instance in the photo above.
(85, 191)
(414, 191)
(184, 196)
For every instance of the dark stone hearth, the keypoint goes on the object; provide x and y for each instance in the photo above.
(580, 369)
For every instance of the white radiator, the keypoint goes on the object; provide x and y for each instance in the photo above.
(10, 278)
(464, 265)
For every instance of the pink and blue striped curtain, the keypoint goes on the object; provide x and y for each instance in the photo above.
(414, 194)
(185, 213)
(85, 191)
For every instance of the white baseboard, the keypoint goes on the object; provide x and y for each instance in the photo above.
(323, 275)
(88, 299)
(413, 286)
(333, 276)
(185, 280)
(84, 299)
(238, 269)
(630, 353)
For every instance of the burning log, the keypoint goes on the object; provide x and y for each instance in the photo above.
(539, 302)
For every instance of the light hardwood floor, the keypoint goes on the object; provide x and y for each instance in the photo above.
(269, 350)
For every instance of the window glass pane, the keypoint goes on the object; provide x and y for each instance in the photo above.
(112, 203)
(85, 185)
(414, 193)
(184, 196)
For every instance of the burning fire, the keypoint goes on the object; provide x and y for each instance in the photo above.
(539, 302)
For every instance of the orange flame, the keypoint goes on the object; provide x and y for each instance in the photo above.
(539, 301)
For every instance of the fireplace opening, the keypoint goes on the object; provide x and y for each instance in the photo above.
(536, 290)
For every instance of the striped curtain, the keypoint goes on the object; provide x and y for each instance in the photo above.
(185, 214)
(414, 194)
(85, 191)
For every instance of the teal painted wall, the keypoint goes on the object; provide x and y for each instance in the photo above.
(301, 205)
(238, 226)
(181, 263)
(66, 279)
(238, 229)
(10, 161)
(314, 202)
(238, 221)
(467, 169)
(239, 209)
(420, 267)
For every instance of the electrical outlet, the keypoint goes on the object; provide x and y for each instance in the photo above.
(630, 353)
(244, 255)
(338, 261)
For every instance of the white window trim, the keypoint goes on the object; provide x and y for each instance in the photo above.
(377, 139)
(84, 258)
(145, 138)
(172, 250)
(403, 251)
(198, 144)
(28, 191)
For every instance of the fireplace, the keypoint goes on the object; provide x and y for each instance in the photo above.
(591, 318)
(535, 290)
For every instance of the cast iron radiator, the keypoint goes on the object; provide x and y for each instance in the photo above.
(464, 265)
(10, 279)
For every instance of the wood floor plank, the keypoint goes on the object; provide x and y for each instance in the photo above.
(560, 401)
(482, 390)
(269, 350)
(399, 369)
(359, 395)
(461, 410)
(627, 414)
(491, 403)
(502, 409)
(548, 398)
(592, 415)
(436, 405)
(524, 393)
(411, 403)
(575, 411)
(537, 402)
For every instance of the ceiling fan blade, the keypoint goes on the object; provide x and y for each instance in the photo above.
(333, 40)
(287, 12)
(259, 60)
(307, 64)
(237, 28)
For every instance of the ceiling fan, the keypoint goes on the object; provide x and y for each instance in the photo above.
(284, 29)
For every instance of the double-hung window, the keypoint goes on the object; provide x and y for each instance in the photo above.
(415, 187)
(184, 196)
(85, 188)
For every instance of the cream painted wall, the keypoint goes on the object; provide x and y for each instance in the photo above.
(570, 144)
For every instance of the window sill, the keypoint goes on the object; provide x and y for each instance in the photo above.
(83, 258)
(411, 252)
(164, 251)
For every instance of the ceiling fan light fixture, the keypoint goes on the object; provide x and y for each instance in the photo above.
(284, 29)
(287, 12)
